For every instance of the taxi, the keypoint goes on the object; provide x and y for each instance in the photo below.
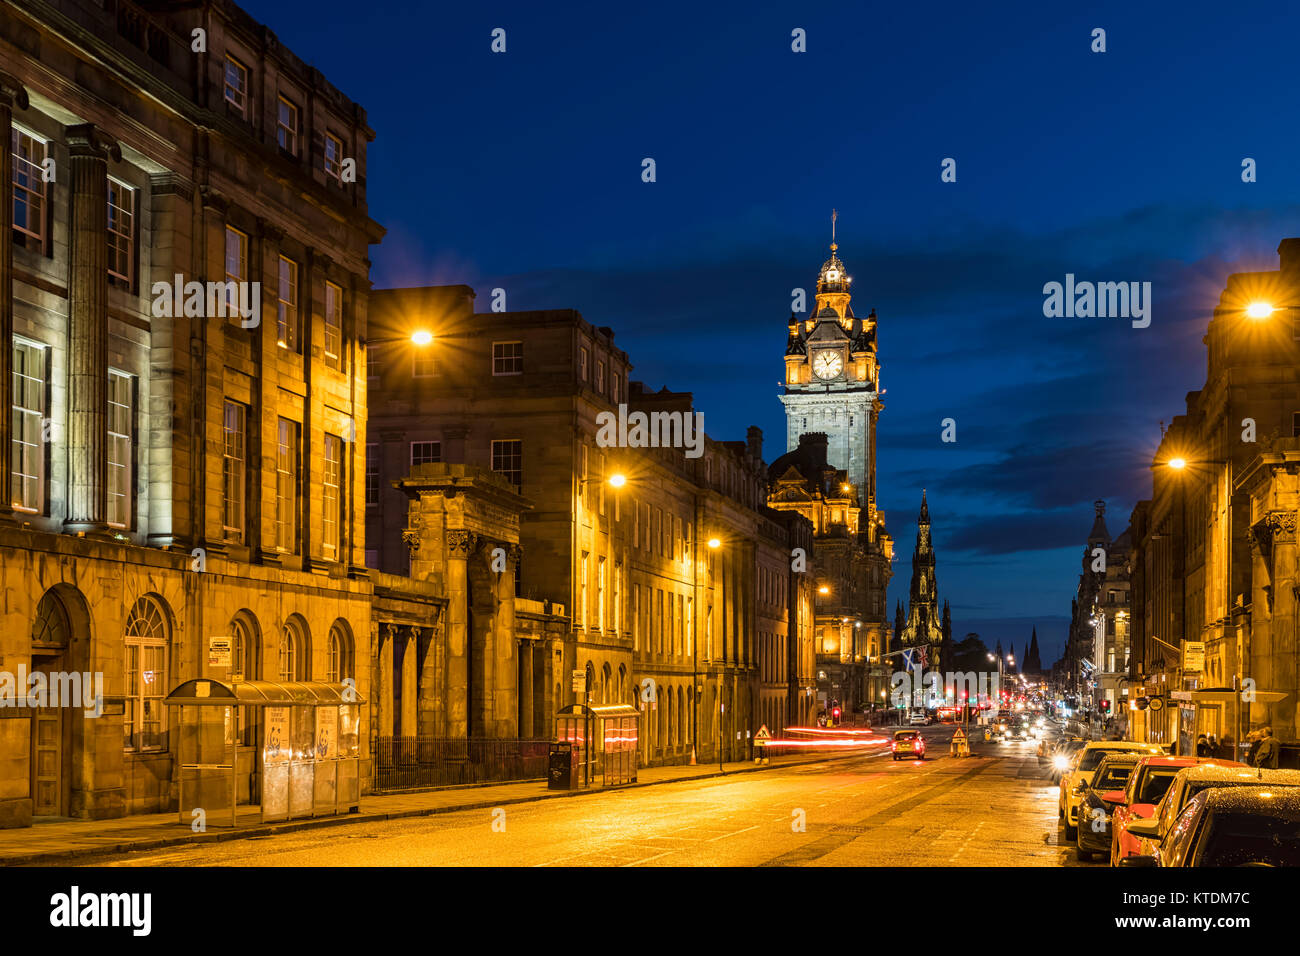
(909, 743)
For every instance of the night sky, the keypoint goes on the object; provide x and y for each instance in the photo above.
(523, 171)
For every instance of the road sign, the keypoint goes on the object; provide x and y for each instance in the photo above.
(579, 682)
(959, 735)
(1193, 657)
(763, 733)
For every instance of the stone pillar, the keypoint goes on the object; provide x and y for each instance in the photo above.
(384, 681)
(503, 664)
(11, 94)
(526, 689)
(89, 152)
(460, 545)
(410, 683)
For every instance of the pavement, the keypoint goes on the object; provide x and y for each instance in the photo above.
(63, 841)
(995, 808)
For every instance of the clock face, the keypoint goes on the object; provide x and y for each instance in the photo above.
(827, 364)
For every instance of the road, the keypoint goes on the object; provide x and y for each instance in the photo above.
(993, 809)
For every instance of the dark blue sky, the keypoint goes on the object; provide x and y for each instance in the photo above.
(522, 171)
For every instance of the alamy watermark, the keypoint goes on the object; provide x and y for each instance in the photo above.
(651, 430)
(914, 687)
(196, 299)
(1102, 300)
(39, 689)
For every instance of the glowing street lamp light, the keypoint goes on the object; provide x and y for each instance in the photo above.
(617, 480)
(714, 543)
(1260, 310)
(422, 337)
(823, 590)
(1177, 464)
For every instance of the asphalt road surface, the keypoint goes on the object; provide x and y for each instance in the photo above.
(992, 809)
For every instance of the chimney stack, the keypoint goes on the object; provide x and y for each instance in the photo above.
(754, 442)
(1288, 251)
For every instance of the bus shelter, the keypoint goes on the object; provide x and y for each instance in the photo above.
(306, 737)
(603, 741)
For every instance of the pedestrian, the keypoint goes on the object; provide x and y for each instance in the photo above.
(1253, 738)
(1269, 750)
(1202, 746)
(1213, 741)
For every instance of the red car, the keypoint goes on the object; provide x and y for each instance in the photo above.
(1137, 801)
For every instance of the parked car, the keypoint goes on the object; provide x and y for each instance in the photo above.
(1146, 786)
(1232, 826)
(1085, 763)
(1099, 797)
(1187, 783)
(919, 719)
(908, 743)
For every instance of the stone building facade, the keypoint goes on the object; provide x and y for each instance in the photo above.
(1204, 563)
(924, 626)
(176, 474)
(851, 576)
(696, 637)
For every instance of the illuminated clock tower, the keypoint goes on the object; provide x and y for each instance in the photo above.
(832, 379)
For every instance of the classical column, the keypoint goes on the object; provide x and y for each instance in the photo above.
(89, 151)
(503, 689)
(384, 681)
(11, 94)
(410, 683)
(460, 545)
(526, 689)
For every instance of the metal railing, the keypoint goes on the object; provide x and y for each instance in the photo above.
(403, 763)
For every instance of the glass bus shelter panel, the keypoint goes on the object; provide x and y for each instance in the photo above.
(325, 792)
(207, 766)
(349, 750)
(302, 761)
(275, 764)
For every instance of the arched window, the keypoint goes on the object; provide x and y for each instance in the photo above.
(340, 666)
(294, 653)
(51, 630)
(147, 638)
(245, 659)
(605, 682)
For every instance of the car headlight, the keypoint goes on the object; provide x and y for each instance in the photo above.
(1060, 763)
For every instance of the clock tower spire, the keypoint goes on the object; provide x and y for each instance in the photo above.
(832, 376)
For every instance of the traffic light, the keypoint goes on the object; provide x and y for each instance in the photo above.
(835, 714)
(1105, 706)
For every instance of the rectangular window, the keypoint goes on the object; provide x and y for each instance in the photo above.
(507, 358)
(1295, 424)
(287, 306)
(583, 572)
(286, 487)
(236, 267)
(600, 376)
(374, 365)
(425, 452)
(331, 487)
(372, 475)
(333, 325)
(618, 598)
(27, 455)
(146, 684)
(236, 86)
(507, 460)
(333, 157)
(600, 593)
(690, 626)
(422, 363)
(233, 471)
(121, 232)
(582, 364)
(286, 127)
(120, 403)
(680, 621)
(636, 617)
(659, 628)
(29, 190)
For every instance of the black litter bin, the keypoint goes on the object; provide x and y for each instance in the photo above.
(560, 772)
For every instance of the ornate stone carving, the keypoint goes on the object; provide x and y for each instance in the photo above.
(461, 544)
(411, 538)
